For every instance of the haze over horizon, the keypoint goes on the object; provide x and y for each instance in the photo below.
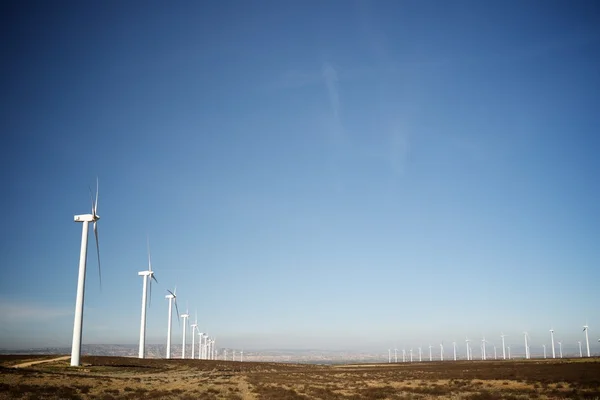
(340, 175)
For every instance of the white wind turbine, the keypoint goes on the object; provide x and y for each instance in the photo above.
(78, 320)
(544, 346)
(454, 346)
(194, 326)
(483, 343)
(172, 296)
(503, 347)
(420, 359)
(468, 350)
(389, 356)
(552, 343)
(430, 356)
(560, 348)
(411, 358)
(580, 352)
(508, 348)
(185, 323)
(395, 355)
(242, 356)
(403, 355)
(495, 354)
(587, 339)
(442, 351)
(526, 346)
(146, 276)
(200, 346)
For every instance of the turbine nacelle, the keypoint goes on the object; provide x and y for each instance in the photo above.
(146, 273)
(86, 218)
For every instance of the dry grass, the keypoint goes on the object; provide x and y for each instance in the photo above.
(131, 378)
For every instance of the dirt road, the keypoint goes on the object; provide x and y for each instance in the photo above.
(29, 364)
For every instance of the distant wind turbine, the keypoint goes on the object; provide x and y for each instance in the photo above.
(200, 347)
(454, 346)
(468, 351)
(495, 354)
(146, 276)
(403, 355)
(508, 347)
(544, 346)
(580, 352)
(587, 339)
(78, 320)
(411, 358)
(242, 356)
(483, 343)
(389, 356)
(560, 348)
(526, 346)
(552, 340)
(185, 324)
(420, 353)
(430, 356)
(503, 347)
(442, 351)
(395, 355)
(171, 297)
(194, 326)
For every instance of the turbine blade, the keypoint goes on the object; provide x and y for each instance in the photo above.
(153, 277)
(92, 200)
(149, 259)
(177, 309)
(150, 296)
(98, 253)
(96, 204)
(171, 293)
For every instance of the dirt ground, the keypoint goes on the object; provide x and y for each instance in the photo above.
(132, 378)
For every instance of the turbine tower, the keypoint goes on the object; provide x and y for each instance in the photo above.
(411, 359)
(200, 346)
(503, 347)
(430, 357)
(560, 348)
(544, 346)
(389, 356)
(468, 351)
(508, 348)
(483, 355)
(78, 320)
(185, 322)
(526, 346)
(194, 326)
(420, 354)
(146, 275)
(454, 346)
(587, 339)
(171, 296)
(552, 343)
(395, 355)
(580, 352)
(442, 351)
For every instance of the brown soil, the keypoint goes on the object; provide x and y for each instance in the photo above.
(132, 378)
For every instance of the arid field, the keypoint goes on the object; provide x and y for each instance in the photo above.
(132, 378)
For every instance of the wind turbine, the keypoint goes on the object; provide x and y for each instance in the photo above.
(403, 355)
(194, 326)
(495, 354)
(526, 346)
(454, 346)
(430, 357)
(395, 355)
(503, 348)
(544, 346)
(185, 323)
(468, 351)
(78, 320)
(146, 275)
(200, 346)
(560, 348)
(508, 347)
(587, 339)
(389, 356)
(483, 343)
(171, 296)
(420, 354)
(552, 340)
(242, 356)
(411, 360)
(580, 352)
(442, 351)
(233, 355)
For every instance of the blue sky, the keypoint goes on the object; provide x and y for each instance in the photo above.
(311, 174)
